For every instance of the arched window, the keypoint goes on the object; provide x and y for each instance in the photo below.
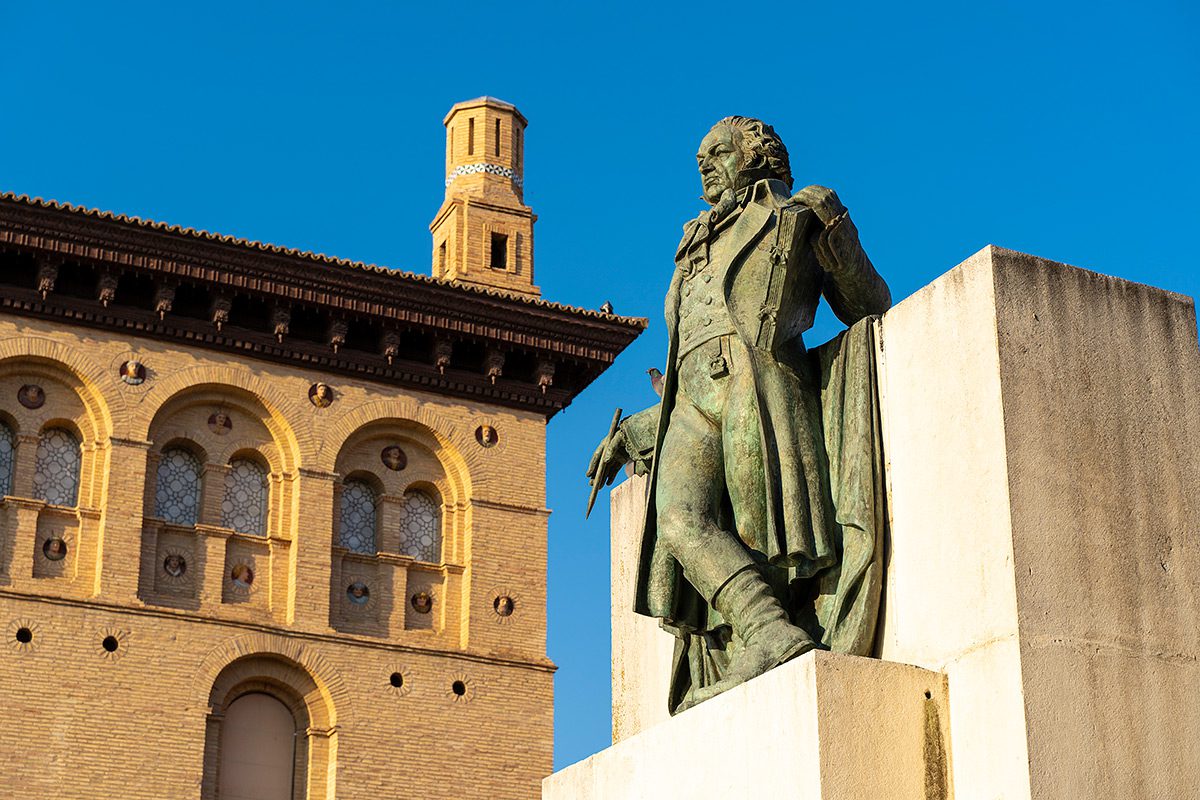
(8, 458)
(357, 528)
(258, 749)
(244, 507)
(421, 527)
(177, 493)
(56, 476)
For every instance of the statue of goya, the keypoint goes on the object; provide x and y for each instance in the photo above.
(765, 504)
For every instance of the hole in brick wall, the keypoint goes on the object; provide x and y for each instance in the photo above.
(928, 696)
(110, 644)
(504, 605)
(24, 635)
(396, 680)
(459, 688)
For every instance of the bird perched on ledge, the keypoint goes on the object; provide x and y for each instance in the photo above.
(607, 308)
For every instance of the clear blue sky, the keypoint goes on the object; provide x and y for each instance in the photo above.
(1063, 129)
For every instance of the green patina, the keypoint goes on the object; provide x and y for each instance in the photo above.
(763, 534)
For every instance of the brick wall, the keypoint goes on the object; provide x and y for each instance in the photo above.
(86, 722)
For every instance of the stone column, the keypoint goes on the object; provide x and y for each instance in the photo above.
(1042, 428)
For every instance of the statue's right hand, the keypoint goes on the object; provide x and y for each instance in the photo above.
(611, 454)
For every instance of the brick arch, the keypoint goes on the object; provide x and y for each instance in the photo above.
(407, 412)
(284, 418)
(283, 651)
(98, 390)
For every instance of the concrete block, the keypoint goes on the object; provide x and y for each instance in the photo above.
(1042, 429)
(824, 726)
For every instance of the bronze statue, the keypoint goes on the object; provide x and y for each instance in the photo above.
(764, 523)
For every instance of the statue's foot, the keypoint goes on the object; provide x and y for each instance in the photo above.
(780, 644)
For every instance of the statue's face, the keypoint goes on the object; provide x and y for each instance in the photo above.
(720, 161)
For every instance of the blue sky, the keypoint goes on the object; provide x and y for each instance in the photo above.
(1064, 129)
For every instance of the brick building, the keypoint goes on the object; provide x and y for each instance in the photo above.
(273, 524)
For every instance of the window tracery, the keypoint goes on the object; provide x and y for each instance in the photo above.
(358, 517)
(56, 475)
(8, 458)
(420, 527)
(177, 491)
(244, 506)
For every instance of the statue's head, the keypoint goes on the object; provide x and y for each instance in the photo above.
(737, 152)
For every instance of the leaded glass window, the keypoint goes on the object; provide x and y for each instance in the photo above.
(56, 476)
(177, 493)
(357, 529)
(244, 507)
(420, 527)
(8, 458)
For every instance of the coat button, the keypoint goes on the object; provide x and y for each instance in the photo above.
(708, 320)
(706, 278)
(708, 301)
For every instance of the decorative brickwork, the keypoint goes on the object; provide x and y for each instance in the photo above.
(230, 470)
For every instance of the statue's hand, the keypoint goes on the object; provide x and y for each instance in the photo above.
(823, 201)
(610, 456)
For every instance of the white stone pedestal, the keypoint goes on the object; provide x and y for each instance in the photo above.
(1042, 434)
(1042, 428)
(823, 726)
(641, 650)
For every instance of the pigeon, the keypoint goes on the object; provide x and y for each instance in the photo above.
(656, 380)
(606, 308)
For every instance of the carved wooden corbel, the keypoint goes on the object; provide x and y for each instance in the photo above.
(442, 351)
(493, 364)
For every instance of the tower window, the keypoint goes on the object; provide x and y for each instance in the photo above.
(441, 258)
(471, 136)
(499, 251)
(497, 137)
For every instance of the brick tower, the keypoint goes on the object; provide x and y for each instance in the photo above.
(483, 233)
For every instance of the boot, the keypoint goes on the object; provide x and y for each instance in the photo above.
(768, 638)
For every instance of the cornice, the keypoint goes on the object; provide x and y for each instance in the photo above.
(387, 300)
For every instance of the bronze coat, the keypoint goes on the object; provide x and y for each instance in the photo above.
(777, 270)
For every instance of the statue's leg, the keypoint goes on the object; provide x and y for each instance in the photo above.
(715, 561)
(741, 440)
(689, 494)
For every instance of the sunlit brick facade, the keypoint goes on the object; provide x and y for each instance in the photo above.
(273, 518)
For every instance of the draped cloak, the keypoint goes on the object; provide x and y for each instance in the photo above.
(818, 418)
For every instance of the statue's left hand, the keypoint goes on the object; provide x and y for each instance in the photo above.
(822, 200)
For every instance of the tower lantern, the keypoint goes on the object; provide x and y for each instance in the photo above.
(483, 233)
